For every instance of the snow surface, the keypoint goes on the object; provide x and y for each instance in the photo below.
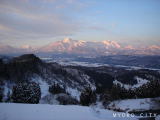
(12, 111)
(43, 85)
(74, 93)
(77, 63)
(140, 82)
(158, 117)
(135, 104)
(7, 90)
(68, 61)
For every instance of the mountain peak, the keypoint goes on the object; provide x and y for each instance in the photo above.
(111, 43)
(26, 47)
(26, 57)
(68, 45)
(154, 47)
(129, 47)
(66, 40)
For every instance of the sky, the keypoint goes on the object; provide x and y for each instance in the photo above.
(40, 22)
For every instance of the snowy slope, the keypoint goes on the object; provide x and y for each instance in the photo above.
(135, 104)
(54, 112)
(158, 117)
(44, 86)
(140, 82)
(29, 68)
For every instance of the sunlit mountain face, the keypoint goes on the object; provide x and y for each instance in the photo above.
(70, 46)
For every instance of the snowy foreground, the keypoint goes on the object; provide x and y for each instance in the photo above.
(12, 111)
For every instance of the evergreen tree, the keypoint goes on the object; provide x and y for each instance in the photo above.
(149, 90)
(87, 97)
(116, 91)
(1, 94)
(26, 93)
(119, 92)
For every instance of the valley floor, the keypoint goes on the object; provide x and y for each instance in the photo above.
(12, 111)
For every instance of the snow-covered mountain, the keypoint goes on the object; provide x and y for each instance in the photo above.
(27, 48)
(80, 47)
(96, 48)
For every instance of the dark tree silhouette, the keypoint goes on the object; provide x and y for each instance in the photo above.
(26, 93)
(87, 97)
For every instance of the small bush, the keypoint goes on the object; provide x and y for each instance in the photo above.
(56, 89)
(65, 99)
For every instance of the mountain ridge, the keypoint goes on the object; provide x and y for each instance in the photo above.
(97, 48)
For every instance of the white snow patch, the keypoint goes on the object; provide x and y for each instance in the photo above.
(49, 99)
(7, 90)
(140, 82)
(76, 63)
(135, 104)
(43, 85)
(158, 117)
(74, 93)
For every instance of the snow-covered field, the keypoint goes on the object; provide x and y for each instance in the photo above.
(12, 111)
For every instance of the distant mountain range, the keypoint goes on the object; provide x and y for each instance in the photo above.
(70, 46)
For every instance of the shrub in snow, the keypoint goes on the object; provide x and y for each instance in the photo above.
(87, 97)
(106, 97)
(56, 89)
(62, 98)
(49, 99)
(7, 98)
(26, 93)
(1, 94)
(65, 99)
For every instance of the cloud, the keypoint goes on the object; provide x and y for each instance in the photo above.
(29, 19)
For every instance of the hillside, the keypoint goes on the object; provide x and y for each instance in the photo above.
(29, 80)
